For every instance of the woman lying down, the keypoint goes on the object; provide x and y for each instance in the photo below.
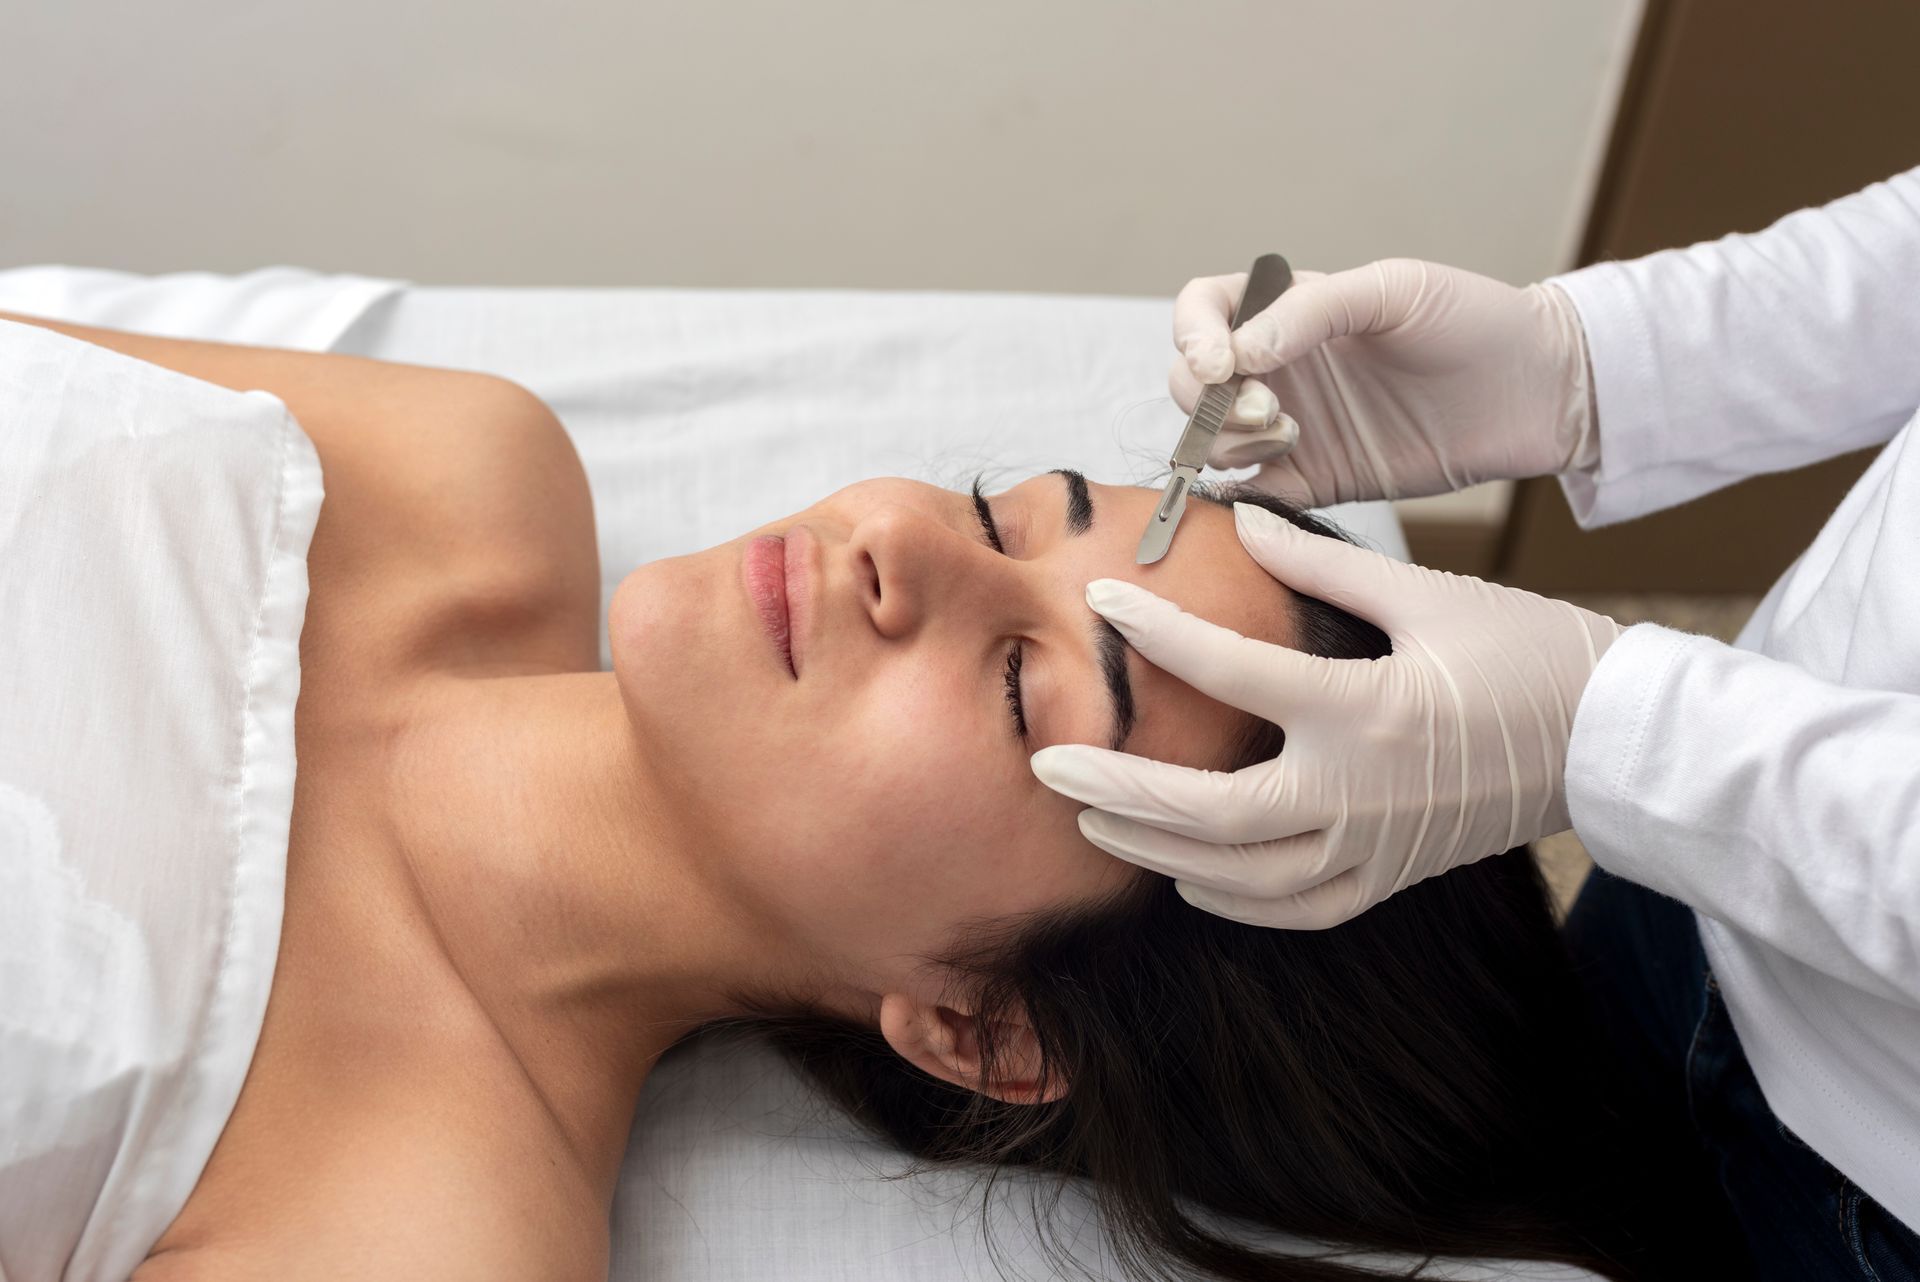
(800, 802)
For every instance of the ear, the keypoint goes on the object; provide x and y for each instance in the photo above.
(945, 1043)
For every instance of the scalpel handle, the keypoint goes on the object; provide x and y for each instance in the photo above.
(1209, 416)
(1269, 278)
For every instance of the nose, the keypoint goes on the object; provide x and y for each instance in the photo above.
(915, 569)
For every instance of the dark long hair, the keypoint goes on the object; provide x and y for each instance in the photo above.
(1418, 1080)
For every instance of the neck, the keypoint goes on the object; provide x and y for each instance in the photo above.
(561, 891)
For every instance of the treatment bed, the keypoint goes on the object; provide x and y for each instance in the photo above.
(699, 414)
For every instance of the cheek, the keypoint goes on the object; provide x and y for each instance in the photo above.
(916, 814)
(909, 775)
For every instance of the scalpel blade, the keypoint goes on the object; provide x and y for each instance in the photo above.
(1189, 456)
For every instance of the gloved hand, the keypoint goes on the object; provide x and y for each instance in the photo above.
(1407, 378)
(1450, 749)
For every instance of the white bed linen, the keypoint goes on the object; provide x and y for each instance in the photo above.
(702, 413)
(271, 307)
(153, 586)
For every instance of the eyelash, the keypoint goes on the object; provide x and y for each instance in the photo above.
(1015, 657)
(1016, 653)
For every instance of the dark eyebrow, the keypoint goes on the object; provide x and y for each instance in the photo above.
(1112, 649)
(1079, 501)
(1107, 641)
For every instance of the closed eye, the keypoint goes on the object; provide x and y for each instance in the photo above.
(1016, 654)
(984, 512)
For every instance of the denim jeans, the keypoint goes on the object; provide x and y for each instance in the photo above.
(1639, 957)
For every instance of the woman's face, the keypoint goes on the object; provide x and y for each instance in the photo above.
(867, 799)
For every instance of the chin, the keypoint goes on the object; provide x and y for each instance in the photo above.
(658, 625)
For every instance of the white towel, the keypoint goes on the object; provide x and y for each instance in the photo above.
(270, 307)
(153, 583)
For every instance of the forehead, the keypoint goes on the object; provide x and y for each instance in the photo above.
(1206, 573)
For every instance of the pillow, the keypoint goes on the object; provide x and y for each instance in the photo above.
(737, 1172)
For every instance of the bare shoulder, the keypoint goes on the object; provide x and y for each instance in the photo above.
(456, 506)
(463, 529)
(384, 1130)
(479, 1253)
(411, 1196)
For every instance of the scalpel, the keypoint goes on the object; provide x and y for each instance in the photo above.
(1268, 280)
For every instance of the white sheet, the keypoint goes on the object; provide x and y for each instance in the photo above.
(702, 413)
(271, 307)
(153, 586)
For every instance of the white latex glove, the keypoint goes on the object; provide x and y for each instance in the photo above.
(1407, 378)
(1451, 749)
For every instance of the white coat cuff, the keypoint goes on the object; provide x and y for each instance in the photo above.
(1622, 700)
(1629, 398)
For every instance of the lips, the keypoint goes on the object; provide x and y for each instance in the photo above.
(764, 570)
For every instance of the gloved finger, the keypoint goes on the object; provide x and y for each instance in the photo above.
(1255, 406)
(1360, 581)
(1333, 901)
(1246, 447)
(1365, 300)
(1183, 386)
(1213, 806)
(1258, 869)
(1285, 478)
(1269, 681)
(1202, 311)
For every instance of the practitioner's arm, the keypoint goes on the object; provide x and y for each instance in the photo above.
(1751, 353)
(1773, 801)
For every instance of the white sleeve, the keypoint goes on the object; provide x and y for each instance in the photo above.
(1778, 803)
(1752, 353)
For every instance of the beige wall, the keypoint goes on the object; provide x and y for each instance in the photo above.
(1080, 145)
